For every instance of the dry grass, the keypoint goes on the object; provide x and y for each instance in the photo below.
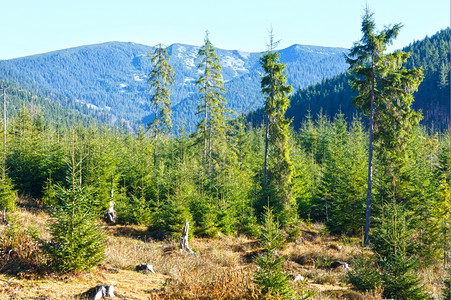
(432, 278)
(223, 268)
(128, 285)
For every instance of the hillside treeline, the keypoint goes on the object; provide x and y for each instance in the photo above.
(329, 183)
(334, 95)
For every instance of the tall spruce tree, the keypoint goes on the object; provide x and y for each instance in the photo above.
(211, 107)
(160, 78)
(278, 167)
(366, 59)
(394, 124)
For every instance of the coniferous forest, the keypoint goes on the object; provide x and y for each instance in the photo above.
(343, 172)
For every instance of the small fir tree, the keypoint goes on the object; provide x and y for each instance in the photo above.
(77, 242)
(393, 267)
(7, 192)
(270, 276)
(393, 245)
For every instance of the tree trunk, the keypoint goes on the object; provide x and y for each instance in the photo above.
(370, 164)
(112, 188)
(266, 148)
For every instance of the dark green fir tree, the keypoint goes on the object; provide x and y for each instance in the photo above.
(365, 59)
(271, 277)
(278, 167)
(77, 242)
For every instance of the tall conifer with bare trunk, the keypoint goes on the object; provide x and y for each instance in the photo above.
(366, 59)
(278, 167)
(160, 78)
(211, 107)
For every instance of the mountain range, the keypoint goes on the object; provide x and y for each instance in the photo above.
(334, 95)
(109, 80)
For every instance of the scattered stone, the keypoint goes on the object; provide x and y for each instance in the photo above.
(337, 247)
(102, 291)
(146, 268)
(339, 264)
(299, 277)
(113, 270)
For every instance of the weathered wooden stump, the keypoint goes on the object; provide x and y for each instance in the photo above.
(184, 240)
(339, 264)
(102, 291)
(110, 215)
(3, 219)
(146, 268)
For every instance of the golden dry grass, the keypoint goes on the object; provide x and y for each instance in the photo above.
(127, 284)
(223, 268)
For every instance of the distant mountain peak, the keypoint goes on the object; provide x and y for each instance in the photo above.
(113, 75)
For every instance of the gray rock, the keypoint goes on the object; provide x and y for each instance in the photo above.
(299, 277)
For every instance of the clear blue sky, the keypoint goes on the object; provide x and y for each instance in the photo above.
(36, 26)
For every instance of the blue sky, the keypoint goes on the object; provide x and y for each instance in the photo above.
(30, 26)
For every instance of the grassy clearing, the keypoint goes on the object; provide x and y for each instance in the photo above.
(223, 268)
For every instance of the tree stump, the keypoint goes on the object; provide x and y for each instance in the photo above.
(110, 215)
(102, 291)
(339, 264)
(184, 240)
(146, 268)
(3, 219)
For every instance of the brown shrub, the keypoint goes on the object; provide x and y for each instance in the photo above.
(19, 251)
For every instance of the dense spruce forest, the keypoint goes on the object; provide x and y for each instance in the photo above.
(334, 95)
(233, 176)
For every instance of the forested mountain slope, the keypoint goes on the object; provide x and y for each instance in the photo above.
(112, 77)
(334, 95)
(56, 111)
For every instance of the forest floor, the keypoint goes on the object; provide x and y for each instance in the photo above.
(222, 269)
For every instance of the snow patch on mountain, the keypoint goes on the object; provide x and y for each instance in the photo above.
(244, 54)
(88, 105)
(190, 62)
(234, 63)
(181, 51)
(188, 81)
